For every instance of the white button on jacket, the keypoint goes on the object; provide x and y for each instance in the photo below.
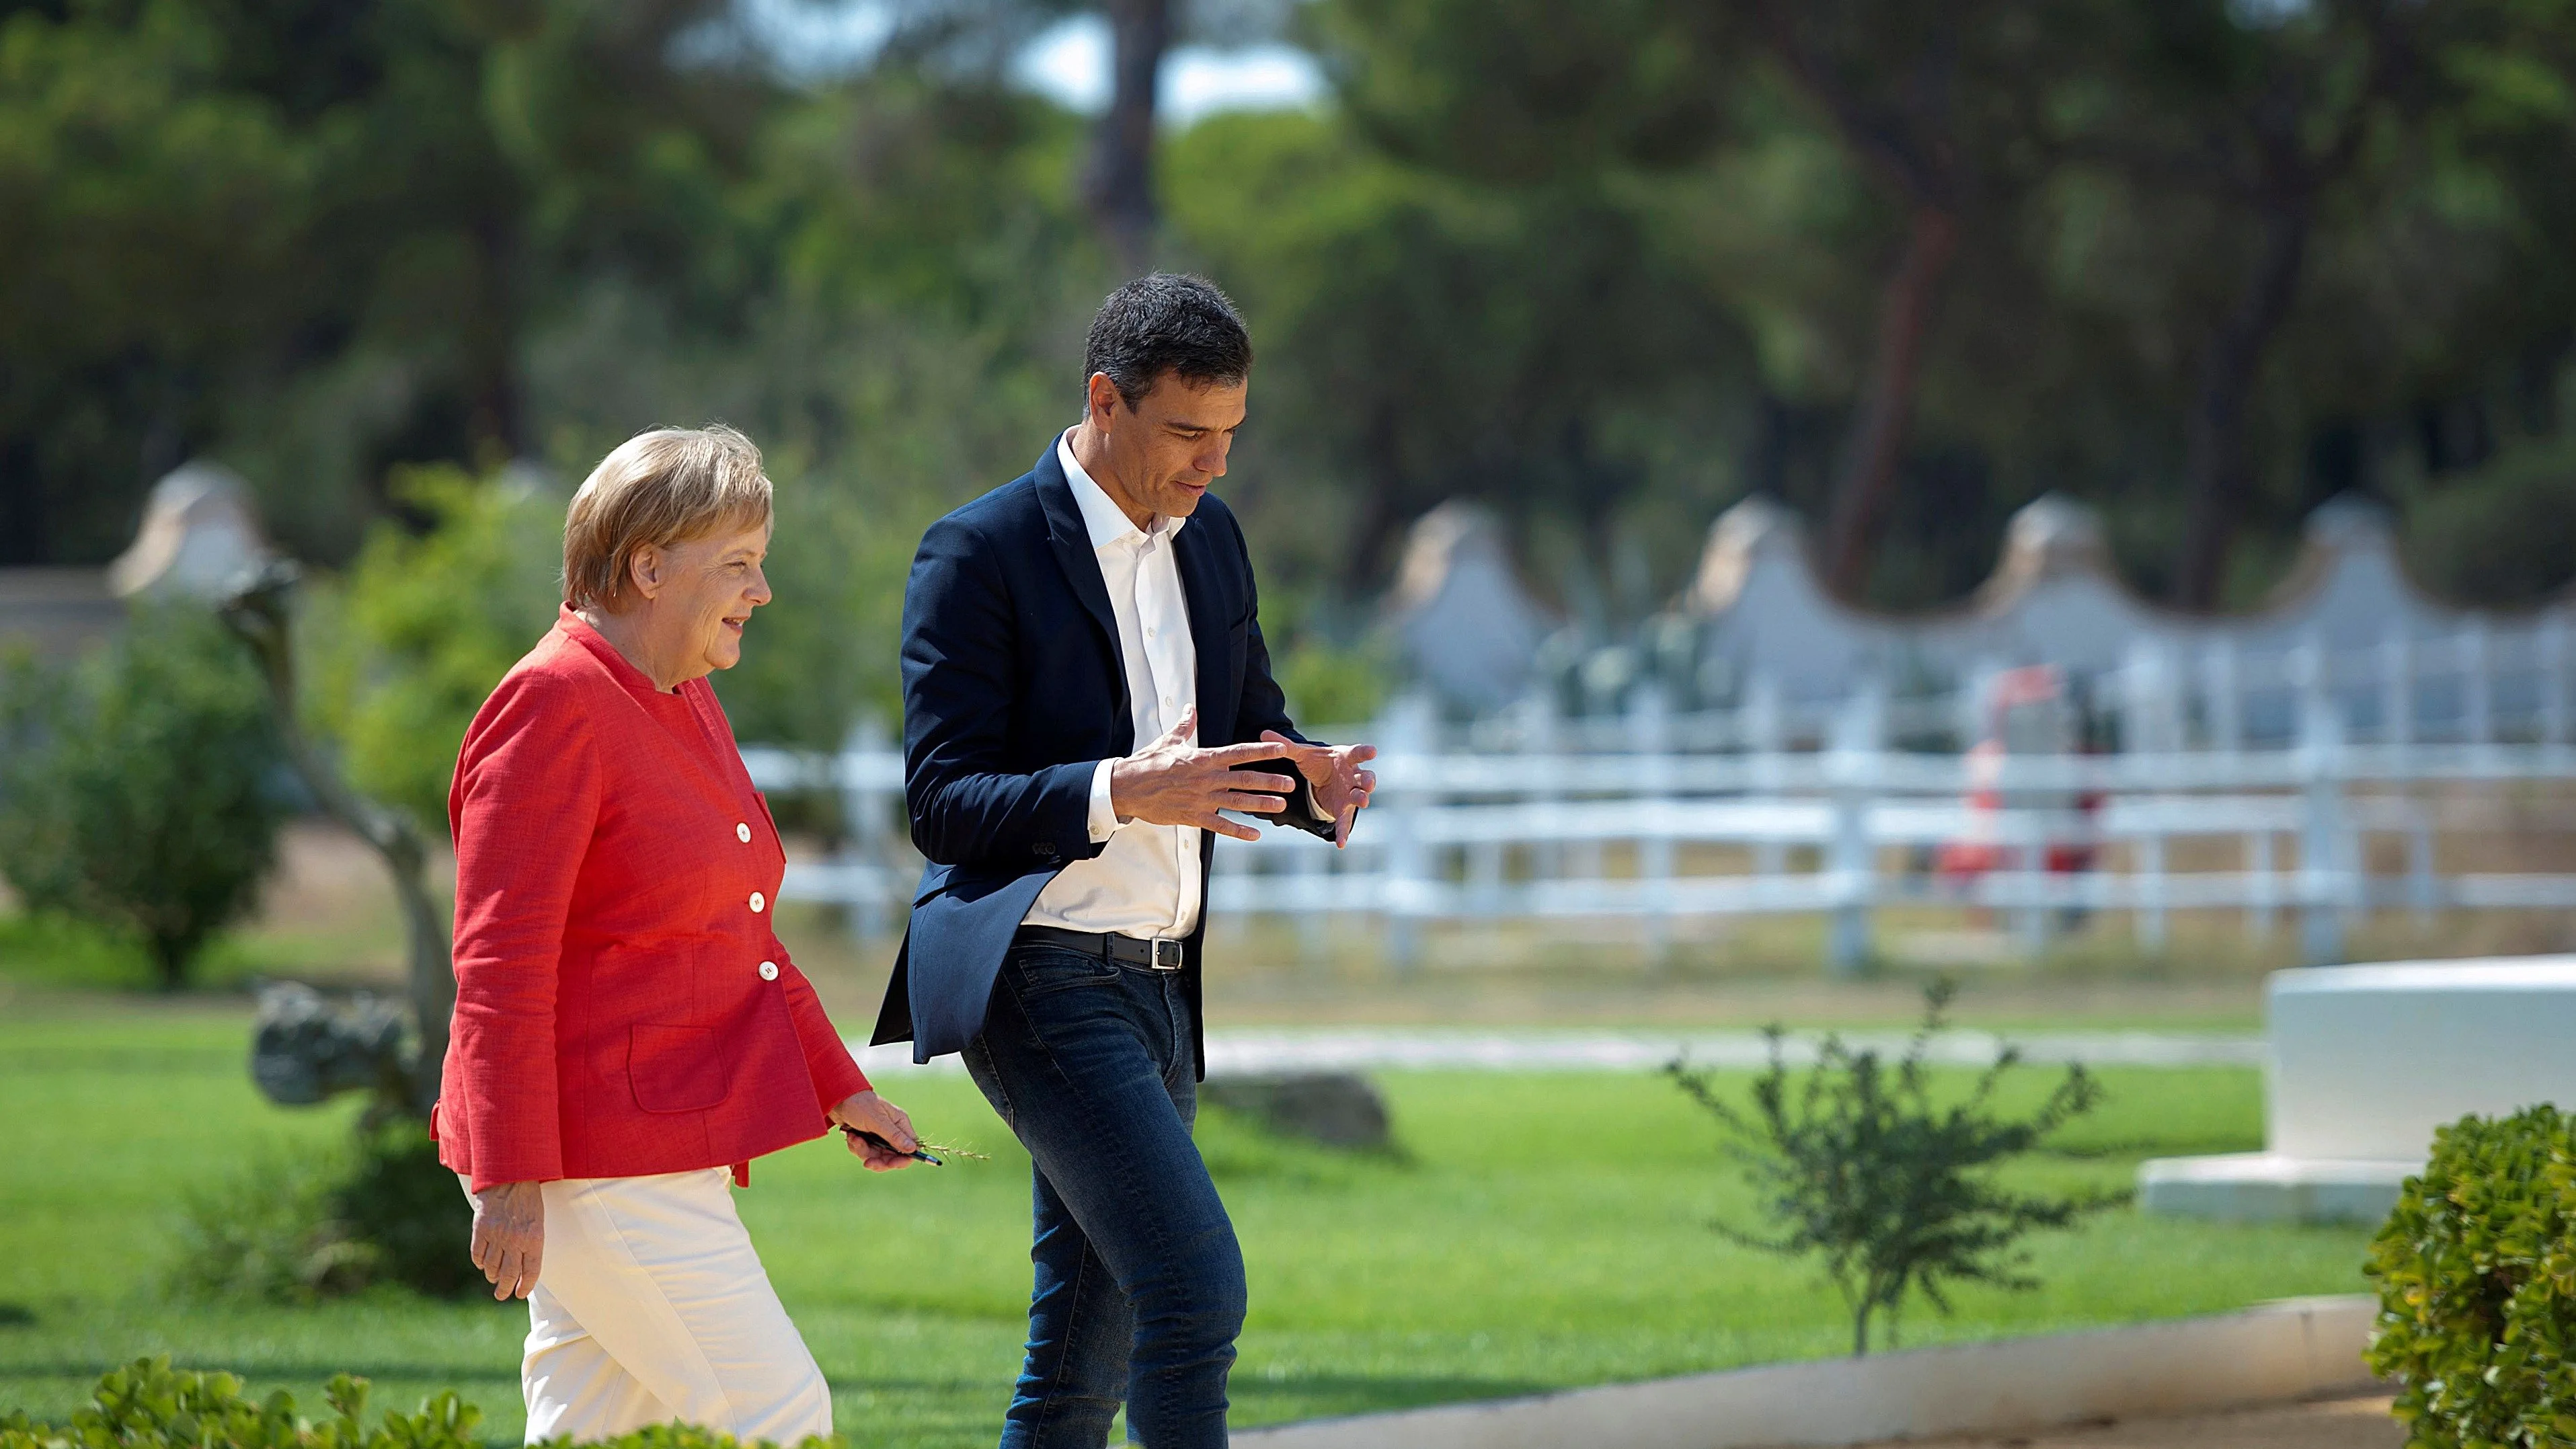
(759, 903)
(742, 832)
(768, 970)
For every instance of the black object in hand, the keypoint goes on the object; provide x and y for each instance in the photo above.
(1302, 812)
(861, 1134)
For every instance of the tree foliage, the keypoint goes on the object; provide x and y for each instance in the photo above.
(1865, 1167)
(142, 787)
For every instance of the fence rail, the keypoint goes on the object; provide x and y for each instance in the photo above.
(1522, 818)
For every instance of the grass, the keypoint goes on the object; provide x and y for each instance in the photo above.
(1535, 1232)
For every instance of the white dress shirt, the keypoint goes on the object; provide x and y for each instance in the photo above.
(1145, 880)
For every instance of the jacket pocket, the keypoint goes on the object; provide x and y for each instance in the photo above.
(675, 1068)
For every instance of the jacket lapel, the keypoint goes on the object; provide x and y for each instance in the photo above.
(1203, 584)
(1071, 542)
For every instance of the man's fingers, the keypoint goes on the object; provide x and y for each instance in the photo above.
(1244, 780)
(1238, 754)
(1251, 802)
(1360, 754)
(1179, 734)
(1231, 829)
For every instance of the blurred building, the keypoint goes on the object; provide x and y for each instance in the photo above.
(199, 533)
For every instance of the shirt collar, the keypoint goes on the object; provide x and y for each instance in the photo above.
(1104, 520)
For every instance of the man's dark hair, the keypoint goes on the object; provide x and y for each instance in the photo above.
(1167, 322)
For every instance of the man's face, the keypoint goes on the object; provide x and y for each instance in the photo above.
(1165, 451)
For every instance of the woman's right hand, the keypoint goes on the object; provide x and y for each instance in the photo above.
(510, 1236)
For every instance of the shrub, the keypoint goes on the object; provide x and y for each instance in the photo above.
(142, 789)
(294, 1228)
(149, 1405)
(2476, 1269)
(1862, 1167)
(2504, 534)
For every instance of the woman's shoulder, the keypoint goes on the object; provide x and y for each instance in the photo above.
(549, 690)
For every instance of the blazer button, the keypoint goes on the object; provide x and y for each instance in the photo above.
(768, 970)
(759, 903)
(1043, 851)
(742, 832)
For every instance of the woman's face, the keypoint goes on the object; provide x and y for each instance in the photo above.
(705, 591)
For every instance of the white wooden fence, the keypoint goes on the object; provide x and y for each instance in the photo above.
(1570, 821)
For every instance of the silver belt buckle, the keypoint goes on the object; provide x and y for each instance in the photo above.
(1167, 955)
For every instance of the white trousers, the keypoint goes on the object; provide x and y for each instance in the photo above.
(651, 1306)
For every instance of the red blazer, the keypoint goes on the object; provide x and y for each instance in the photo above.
(622, 1006)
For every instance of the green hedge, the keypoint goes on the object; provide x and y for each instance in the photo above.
(2477, 1286)
(150, 1405)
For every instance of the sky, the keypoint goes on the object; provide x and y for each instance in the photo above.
(1069, 63)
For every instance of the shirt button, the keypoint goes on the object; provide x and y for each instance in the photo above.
(768, 970)
(759, 903)
(742, 832)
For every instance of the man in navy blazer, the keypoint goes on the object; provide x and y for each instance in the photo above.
(1085, 690)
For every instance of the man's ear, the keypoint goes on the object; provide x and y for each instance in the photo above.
(1104, 397)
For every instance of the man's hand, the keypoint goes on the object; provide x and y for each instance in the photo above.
(1342, 788)
(869, 1112)
(1172, 782)
(510, 1236)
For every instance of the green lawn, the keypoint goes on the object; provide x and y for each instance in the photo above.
(1542, 1231)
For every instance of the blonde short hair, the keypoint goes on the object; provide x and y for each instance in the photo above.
(658, 488)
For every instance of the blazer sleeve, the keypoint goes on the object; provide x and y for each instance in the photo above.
(524, 805)
(827, 1058)
(968, 807)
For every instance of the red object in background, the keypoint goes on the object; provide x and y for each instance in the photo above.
(2028, 714)
(622, 1006)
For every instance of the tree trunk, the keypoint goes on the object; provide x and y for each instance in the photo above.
(261, 614)
(2220, 475)
(1118, 187)
(1877, 443)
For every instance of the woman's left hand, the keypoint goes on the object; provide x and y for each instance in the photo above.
(869, 1112)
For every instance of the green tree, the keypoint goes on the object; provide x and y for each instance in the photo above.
(427, 622)
(142, 794)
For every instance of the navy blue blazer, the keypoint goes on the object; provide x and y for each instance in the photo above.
(1014, 689)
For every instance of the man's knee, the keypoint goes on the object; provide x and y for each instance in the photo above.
(1200, 1299)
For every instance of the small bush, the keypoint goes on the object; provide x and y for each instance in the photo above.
(2476, 1269)
(141, 787)
(149, 1405)
(1861, 1167)
(295, 1228)
(2504, 534)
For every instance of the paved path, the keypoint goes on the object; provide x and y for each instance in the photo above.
(1287, 1049)
(2361, 1423)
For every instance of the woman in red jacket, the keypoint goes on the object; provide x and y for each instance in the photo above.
(629, 1031)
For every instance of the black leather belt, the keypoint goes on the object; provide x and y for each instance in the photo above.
(1107, 945)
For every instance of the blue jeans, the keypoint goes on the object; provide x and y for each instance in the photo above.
(1140, 1289)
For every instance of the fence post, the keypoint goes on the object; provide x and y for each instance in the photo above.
(2476, 681)
(1853, 766)
(2265, 908)
(2552, 646)
(2225, 696)
(1410, 733)
(1762, 731)
(1650, 735)
(863, 818)
(2321, 835)
(2151, 889)
(2397, 688)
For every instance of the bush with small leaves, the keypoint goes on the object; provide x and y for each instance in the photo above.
(149, 1405)
(2476, 1269)
(1862, 1166)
